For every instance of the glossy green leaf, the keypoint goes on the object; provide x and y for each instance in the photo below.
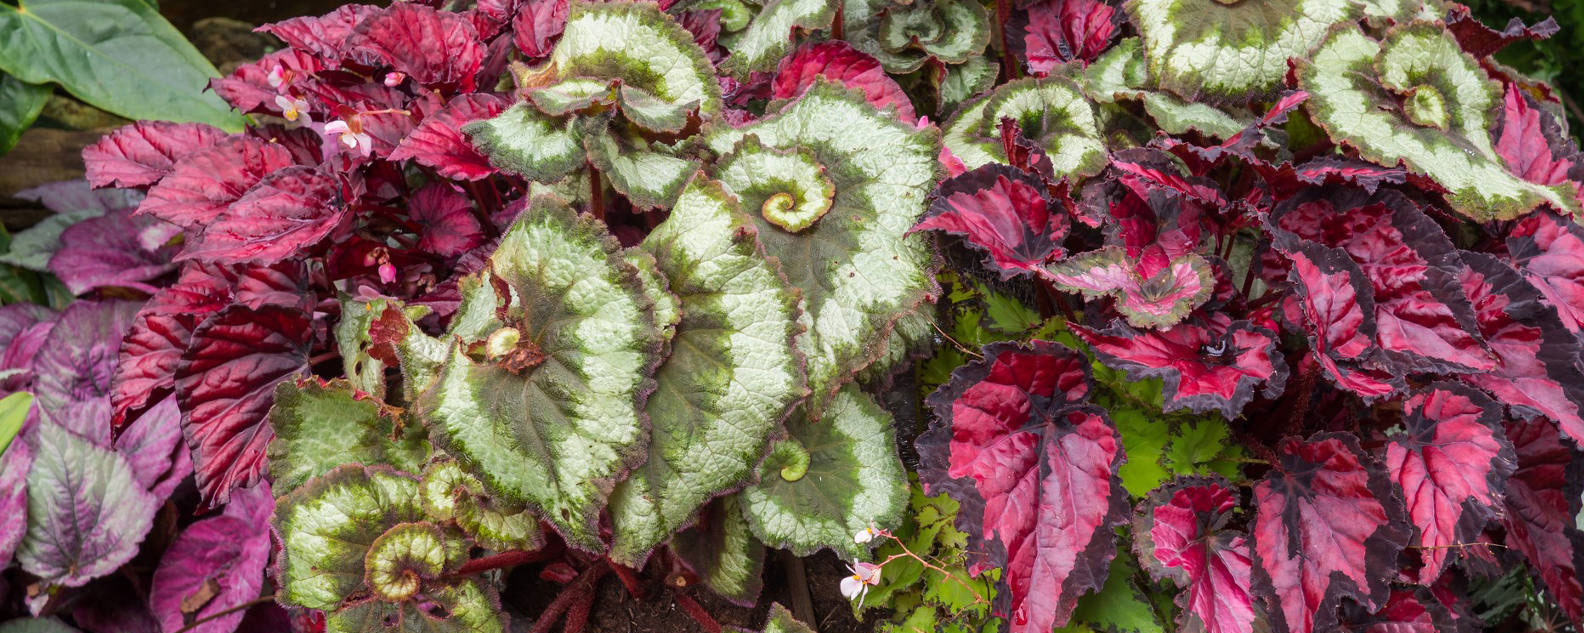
(13, 412)
(20, 104)
(320, 425)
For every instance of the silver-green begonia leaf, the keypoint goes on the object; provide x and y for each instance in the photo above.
(469, 607)
(451, 494)
(407, 556)
(1051, 111)
(524, 141)
(86, 511)
(320, 425)
(732, 377)
(1123, 73)
(722, 551)
(904, 36)
(648, 177)
(642, 47)
(769, 36)
(328, 526)
(829, 480)
(966, 80)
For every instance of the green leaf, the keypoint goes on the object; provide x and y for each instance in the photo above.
(830, 480)
(722, 551)
(963, 81)
(408, 555)
(1355, 84)
(1120, 72)
(1203, 446)
(792, 183)
(780, 620)
(20, 104)
(771, 33)
(549, 415)
(355, 342)
(469, 607)
(86, 511)
(320, 425)
(1230, 52)
(32, 248)
(13, 412)
(643, 48)
(650, 177)
(732, 376)
(857, 267)
(1144, 439)
(1051, 111)
(328, 526)
(451, 494)
(1119, 607)
(667, 307)
(117, 55)
(529, 143)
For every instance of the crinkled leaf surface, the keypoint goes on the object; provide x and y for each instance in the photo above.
(1542, 493)
(73, 367)
(1051, 111)
(153, 446)
(1148, 298)
(467, 607)
(327, 527)
(320, 425)
(1212, 366)
(906, 36)
(554, 420)
(115, 250)
(721, 550)
(449, 493)
(1181, 534)
(215, 565)
(285, 214)
(646, 50)
(732, 376)
(649, 176)
(433, 47)
(141, 154)
(769, 36)
(438, 141)
(524, 141)
(16, 461)
(203, 183)
(87, 513)
(829, 480)
(857, 267)
(1003, 211)
(1061, 31)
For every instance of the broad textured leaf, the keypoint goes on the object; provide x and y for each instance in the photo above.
(524, 141)
(320, 425)
(553, 418)
(470, 606)
(720, 549)
(733, 374)
(1216, 365)
(115, 250)
(779, 620)
(146, 363)
(770, 34)
(858, 269)
(20, 105)
(1452, 462)
(1542, 495)
(646, 50)
(225, 384)
(324, 36)
(906, 36)
(153, 447)
(1329, 525)
(438, 142)
(86, 511)
(285, 214)
(328, 526)
(1204, 49)
(649, 176)
(32, 248)
(1055, 32)
(1537, 359)
(838, 61)
(537, 24)
(829, 480)
(215, 565)
(451, 494)
(1440, 130)
(118, 55)
(1526, 142)
(140, 154)
(444, 215)
(1005, 212)
(1180, 533)
(202, 184)
(1549, 250)
(1415, 610)
(1036, 473)
(73, 367)
(1052, 112)
(435, 48)
(16, 461)
(1148, 298)
(1337, 310)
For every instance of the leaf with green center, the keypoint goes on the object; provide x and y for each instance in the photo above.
(647, 51)
(86, 511)
(732, 376)
(649, 177)
(792, 183)
(573, 95)
(529, 143)
(1050, 111)
(1150, 294)
(1123, 73)
(320, 425)
(769, 36)
(1441, 129)
(721, 550)
(451, 494)
(1230, 52)
(829, 480)
(667, 308)
(466, 607)
(905, 36)
(551, 417)
(328, 525)
(857, 267)
(408, 555)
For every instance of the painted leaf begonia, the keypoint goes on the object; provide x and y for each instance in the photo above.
(838, 61)
(114, 250)
(435, 48)
(306, 446)
(721, 550)
(16, 461)
(1152, 291)
(1005, 212)
(1181, 534)
(906, 36)
(1549, 250)
(1036, 473)
(769, 35)
(451, 494)
(1542, 494)
(1052, 112)
(1337, 309)
(1061, 31)
(154, 447)
(73, 367)
(202, 184)
(288, 211)
(1214, 365)
(438, 141)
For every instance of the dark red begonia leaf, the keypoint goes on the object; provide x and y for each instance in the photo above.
(434, 48)
(110, 251)
(445, 217)
(140, 154)
(1035, 472)
(146, 365)
(1337, 310)
(1549, 250)
(202, 184)
(1422, 320)
(838, 61)
(248, 87)
(215, 565)
(1481, 41)
(1329, 525)
(1055, 32)
(1180, 533)
(438, 142)
(1451, 461)
(153, 446)
(1212, 365)
(225, 383)
(1537, 370)
(1407, 610)
(1004, 212)
(537, 25)
(285, 214)
(1332, 171)
(324, 36)
(1542, 503)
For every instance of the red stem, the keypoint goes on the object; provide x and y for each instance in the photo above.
(583, 584)
(577, 615)
(628, 580)
(697, 612)
(500, 560)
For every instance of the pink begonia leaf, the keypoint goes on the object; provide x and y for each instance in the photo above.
(19, 352)
(1329, 526)
(1525, 142)
(73, 368)
(1422, 320)
(1036, 474)
(838, 61)
(434, 48)
(1549, 250)
(1005, 212)
(284, 215)
(204, 183)
(1543, 499)
(1180, 533)
(110, 251)
(1337, 310)
(1407, 610)
(1055, 32)
(1537, 368)
(438, 142)
(153, 446)
(1212, 365)
(248, 87)
(215, 565)
(1151, 291)
(14, 465)
(537, 25)
(146, 362)
(1452, 462)
(225, 384)
(140, 154)
(445, 218)
(324, 36)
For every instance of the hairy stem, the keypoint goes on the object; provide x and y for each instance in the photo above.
(697, 612)
(225, 612)
(579, 587)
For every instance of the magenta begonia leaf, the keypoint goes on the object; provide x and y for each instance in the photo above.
(1452, 462)
(838, 61)
(438, 142)
(146, 363)
(1181, 534)
(15, 463)
(1337, 309)
(1004, 212)
(202, 184)
(538, 24)
(1151, 291)
(215, 565)
(1549, 250)
(1056, 32)
(1212, 365)
(1542, 501)
(153, 446)
(1533, 145)
(140, 154)
(1407, 610)
(325, 36)
(1036, 473)
(444, 215)
(1329, 525)
(73, 367)
(287, 212)
(113, 251)
(435, 48)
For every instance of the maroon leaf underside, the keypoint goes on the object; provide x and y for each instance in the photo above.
(285, 214)
(1004, 212)
(1036, 473)
(438, 142)
(1203, 367)
(225, 383)
(838, 61)
(1407, 610)
(1181, 534)
(1451, 461)
(1542, 499)
(1329, 525)
(140, 154)
(1338, 314)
